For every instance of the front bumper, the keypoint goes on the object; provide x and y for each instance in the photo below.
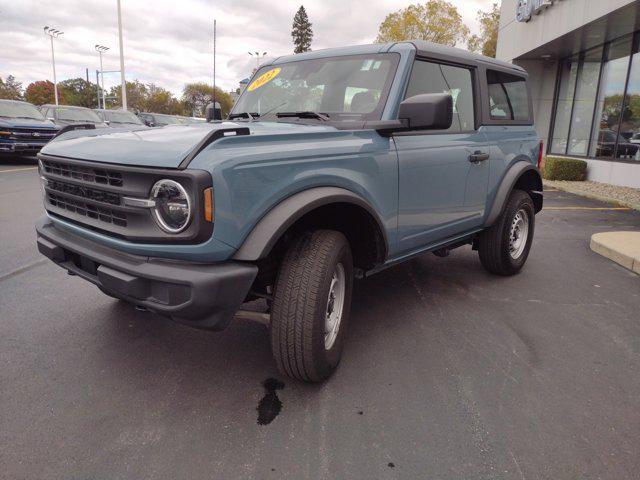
(199, 295)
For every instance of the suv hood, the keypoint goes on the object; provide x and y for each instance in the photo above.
(156, 147)
(26, 123)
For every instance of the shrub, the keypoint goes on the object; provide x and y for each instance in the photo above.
(568, 169)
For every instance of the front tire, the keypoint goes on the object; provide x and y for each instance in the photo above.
(311, 305)
(504, 247)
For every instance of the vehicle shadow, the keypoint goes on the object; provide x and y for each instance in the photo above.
(143, 342)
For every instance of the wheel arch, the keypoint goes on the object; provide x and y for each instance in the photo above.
(320, 206)
(522, 175)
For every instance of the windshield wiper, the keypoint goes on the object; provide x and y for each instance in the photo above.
(306, 114)
(250, 116)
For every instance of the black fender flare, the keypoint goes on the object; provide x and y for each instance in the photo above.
(506, 186)
(271, 226)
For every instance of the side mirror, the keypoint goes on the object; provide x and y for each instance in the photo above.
(213, 112)
(108, 122)
(51, 118)
(428, 111)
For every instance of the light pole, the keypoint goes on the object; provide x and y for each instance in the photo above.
(257, 57)
(101, 49)
(122, 80)
(53, 33)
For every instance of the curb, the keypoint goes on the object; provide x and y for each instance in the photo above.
(592, 196)
(622, 248)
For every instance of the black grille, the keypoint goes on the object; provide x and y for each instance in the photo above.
(87, 174)
(91, 194)
(106, 215)
(31, 134)
(84, 192)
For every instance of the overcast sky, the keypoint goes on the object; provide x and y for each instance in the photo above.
(170, 42)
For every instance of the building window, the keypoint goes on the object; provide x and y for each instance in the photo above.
(597, 109)
(564, 105)
(584, 101)
(630, 118)
(606, 128)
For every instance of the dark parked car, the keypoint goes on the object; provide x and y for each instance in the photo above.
(118, 118)
(63, 115)
(607, 145)
(23, 129)
(160, 119)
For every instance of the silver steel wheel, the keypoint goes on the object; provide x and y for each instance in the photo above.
(335, 306)
(518, 233)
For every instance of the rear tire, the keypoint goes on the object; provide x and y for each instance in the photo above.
(504, 247)
(311, 305)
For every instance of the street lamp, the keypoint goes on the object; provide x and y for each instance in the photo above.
(257, 57)
(53, 33)
(101, 49)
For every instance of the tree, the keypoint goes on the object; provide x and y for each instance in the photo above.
(79, 92)
(136, 96)
(41, 92)
(487, 41)
(196, 97)
(146, 98)
(302, 33)
(10, 89)
(436, 21)
(160, 100)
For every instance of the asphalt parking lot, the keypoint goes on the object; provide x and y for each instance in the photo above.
(449, 373)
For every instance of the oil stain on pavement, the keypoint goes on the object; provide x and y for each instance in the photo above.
(270, 405)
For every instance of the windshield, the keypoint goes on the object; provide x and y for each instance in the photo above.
(78, 115)
(343, 88)
(19, 110)
(120, 116)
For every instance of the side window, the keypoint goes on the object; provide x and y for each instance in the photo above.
(427, 77)
(508, 96)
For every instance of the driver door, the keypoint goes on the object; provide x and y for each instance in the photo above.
(442, 188)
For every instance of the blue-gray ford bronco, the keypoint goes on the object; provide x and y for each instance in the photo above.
(331, 166)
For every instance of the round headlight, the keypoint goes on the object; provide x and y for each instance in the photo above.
(172, 209)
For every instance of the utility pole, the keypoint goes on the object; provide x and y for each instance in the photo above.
(88, 89)
(214, 65)
(122, 80)
(53, 33)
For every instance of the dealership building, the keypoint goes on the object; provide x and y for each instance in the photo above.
(583, 58)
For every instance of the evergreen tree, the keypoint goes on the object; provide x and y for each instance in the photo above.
(10, 89)
(302, 33)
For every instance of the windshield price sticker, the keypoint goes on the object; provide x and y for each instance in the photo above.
(264, 78)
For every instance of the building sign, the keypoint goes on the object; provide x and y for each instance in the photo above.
(527, 8)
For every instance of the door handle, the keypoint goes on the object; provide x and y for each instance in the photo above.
(478, 156)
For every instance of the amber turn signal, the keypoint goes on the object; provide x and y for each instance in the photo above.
(208, 204)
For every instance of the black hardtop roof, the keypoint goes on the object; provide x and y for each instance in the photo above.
(422, 48)
(429, 49)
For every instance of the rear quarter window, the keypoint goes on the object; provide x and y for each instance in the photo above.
(508, 97)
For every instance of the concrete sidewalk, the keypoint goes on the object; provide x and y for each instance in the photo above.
(621, 247)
